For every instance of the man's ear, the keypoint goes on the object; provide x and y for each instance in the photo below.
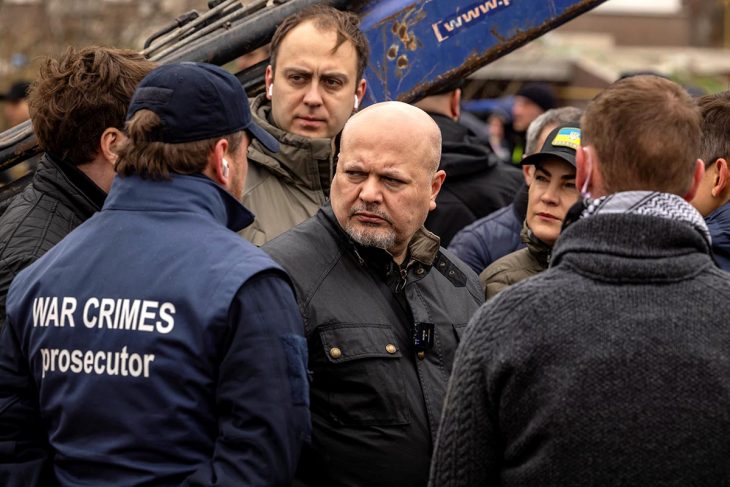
(436, 182)
(696, 180)
(360, 92)
(215, 169)
(455, 104)
(269, 80)
(109, 142)
(719, 185)
(588, 178)
(582, 166)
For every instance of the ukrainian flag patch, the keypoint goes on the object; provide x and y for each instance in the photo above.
(567, 137)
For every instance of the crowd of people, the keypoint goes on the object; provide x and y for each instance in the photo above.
(202, 289)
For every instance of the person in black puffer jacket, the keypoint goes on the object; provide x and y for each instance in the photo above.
(77, 106)
(477, 182)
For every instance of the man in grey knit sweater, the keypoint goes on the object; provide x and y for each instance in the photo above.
(612, 367)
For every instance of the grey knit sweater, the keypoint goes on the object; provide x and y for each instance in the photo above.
(611, 368)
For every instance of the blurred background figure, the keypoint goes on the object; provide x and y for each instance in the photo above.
(15, 104)
(531, 101)
(497, 135)
(15, 111)
(477, 182)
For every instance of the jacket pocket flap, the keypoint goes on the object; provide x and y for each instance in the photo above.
(345, 342)
(459, 329)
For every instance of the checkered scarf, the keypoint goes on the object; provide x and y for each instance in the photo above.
(663, 205)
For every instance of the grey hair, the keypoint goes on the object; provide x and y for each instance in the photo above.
(556, 116)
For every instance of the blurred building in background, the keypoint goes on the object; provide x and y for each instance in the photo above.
(686, 40)
(682, 39)
(33, 29)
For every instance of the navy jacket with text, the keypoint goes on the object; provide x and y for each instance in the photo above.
(153, 346)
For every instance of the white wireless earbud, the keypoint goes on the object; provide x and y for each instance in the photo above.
(271, 90)
(589, 163)
(225, 167)
(357, 103)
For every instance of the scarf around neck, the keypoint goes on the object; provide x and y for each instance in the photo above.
(649, 203)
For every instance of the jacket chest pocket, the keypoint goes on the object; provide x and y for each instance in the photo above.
(361, 378)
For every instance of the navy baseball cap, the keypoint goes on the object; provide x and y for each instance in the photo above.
(196, 101)
(562, 142)
(17, 92)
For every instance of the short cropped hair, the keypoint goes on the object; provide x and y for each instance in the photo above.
(715, 142)
(81, 94)
(345, 24)
(148, 159)
(556, 116)
(646, 133)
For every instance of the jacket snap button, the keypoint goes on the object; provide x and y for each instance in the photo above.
(390, 348)
(335, 352)
(421, 355)
(420, 271)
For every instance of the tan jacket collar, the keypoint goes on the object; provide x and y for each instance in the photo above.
(539, 249)
(297, 160)
(424, 246)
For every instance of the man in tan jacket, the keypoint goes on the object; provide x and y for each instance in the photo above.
(313, 85)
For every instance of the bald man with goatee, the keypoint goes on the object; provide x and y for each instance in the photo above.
(384, 305)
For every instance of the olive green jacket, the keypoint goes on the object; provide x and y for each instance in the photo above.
(283, 189)
(515, 267)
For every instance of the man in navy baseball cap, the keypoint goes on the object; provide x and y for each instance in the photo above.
(16, 105)
(182, 342)
(193, 102)
(196, 101)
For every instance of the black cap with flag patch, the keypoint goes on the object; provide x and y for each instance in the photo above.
(562, 142)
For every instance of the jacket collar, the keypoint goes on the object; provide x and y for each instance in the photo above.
(628, 246)
(65, 181)
(423, 247)
(539, 249)
(181, 193)
(718, 222)
(451, 131)
(297, 159)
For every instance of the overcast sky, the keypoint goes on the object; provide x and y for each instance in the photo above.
(648, 6)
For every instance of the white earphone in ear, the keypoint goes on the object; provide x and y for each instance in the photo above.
(588, 162)
(271, 90)
(225, 167)
(357, 103)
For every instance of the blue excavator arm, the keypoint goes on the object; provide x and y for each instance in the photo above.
(419, 46)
